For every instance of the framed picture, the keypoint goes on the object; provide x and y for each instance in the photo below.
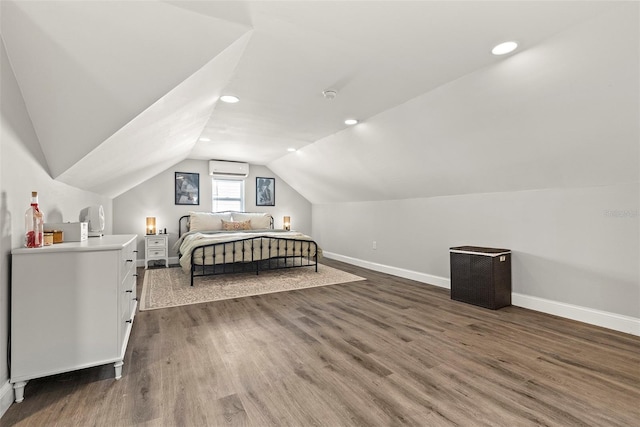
(187, 188)
(265, 191)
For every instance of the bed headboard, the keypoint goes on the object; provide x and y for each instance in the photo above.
(183, 225)
(183, 222)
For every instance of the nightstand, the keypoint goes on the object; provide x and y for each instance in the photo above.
(156, 247)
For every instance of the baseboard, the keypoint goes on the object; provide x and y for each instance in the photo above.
(441, 282)
(605, 319)
(616, 322)
(6, 397)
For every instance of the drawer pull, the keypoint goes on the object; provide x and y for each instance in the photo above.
(129, 260)
(135, 275)
(129, 321)
(129, 290)
(135, 252)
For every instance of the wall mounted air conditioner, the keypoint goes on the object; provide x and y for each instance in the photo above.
(228, 169)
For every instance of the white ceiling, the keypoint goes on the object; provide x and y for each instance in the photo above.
(119, 91)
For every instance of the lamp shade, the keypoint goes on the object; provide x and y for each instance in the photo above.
(286, 223)
(151, 225)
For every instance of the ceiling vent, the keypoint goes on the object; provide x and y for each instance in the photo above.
(221, 168)
(329, 94)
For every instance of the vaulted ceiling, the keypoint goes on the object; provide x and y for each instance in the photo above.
(119, 91)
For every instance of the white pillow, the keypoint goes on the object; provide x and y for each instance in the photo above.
(204, 221)
(258, 220)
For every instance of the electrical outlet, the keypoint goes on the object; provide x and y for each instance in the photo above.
(375, 245)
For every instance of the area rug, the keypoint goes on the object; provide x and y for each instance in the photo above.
(170, 287)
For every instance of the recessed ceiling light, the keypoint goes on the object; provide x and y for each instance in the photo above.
(350, 122)
(230, 99)
(504, 48)
(205, 139)
(291, 150)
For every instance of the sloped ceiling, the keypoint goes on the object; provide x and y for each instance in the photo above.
(118, 91)
(564, 113)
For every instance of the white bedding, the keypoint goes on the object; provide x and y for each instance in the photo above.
(190, 242)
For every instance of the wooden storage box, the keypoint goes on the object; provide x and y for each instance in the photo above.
(58, 236)
(481, 276)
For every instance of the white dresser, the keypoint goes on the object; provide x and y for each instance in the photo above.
(156, 247)
(72, 307)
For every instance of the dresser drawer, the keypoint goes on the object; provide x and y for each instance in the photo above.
(126, 304)
(127, 260)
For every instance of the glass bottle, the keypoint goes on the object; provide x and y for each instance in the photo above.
(33, 224)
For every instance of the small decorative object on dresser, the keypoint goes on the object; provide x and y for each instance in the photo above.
(94, 216)
(156, 247)
(34, 220)
(72, 231)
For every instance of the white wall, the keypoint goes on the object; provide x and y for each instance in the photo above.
(23, 169)
(576, 246)
(155, 197)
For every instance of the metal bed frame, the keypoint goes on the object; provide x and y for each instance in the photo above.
(239, 260)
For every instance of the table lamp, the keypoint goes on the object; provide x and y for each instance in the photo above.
(151, 225)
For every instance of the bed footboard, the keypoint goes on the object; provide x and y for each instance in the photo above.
(253, 254)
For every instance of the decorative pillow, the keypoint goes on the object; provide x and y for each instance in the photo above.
(236, 225)
(204, 221)
(258, 220)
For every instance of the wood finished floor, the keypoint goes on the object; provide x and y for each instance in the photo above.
(382, 352)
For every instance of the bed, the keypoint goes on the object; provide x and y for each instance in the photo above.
(212, 243)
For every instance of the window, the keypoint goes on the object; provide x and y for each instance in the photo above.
(228, 195)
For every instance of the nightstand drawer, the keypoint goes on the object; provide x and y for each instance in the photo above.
(156, 252)
(156, 242)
